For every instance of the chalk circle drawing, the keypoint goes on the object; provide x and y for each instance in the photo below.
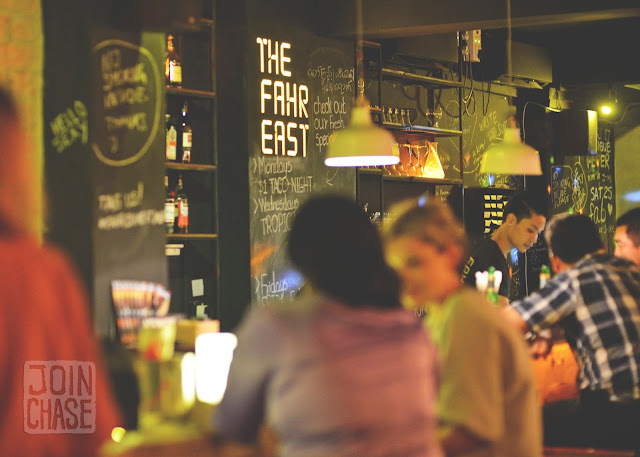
(128, 102)
(579, 195)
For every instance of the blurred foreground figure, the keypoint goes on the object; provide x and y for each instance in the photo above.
(595, 298)
(56, 401)
(487, 402)
(343, 370)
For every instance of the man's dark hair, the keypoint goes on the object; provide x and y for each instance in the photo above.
(525, 204)
(572, 236)
(631, 219)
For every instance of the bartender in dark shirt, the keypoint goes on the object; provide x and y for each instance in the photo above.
(523, 218)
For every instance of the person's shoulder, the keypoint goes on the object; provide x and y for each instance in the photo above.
(295, 308)
(601, 261)
(486, 248)
(282, 311)
(475, 307)
(24, 250)
(471, 303)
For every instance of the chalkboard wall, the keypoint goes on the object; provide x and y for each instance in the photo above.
(103, 154)
(484, 118)
(300, 89)
(128, 166)
(586, 185)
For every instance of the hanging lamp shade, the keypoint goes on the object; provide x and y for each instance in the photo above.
(511, 157)
(362, 143)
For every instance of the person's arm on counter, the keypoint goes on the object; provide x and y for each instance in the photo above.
(514, 318)
(545, 307)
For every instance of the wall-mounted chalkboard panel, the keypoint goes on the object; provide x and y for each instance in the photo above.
(586, 185)
(301, 89)
(127, 104)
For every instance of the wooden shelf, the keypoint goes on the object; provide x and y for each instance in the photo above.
(388, 73)
(370, 171)
(419, 179)
(203, 25)
(190, 92)
(209, 23)
(191, 236)
(190, 166)
(422, 180)
(434, 131)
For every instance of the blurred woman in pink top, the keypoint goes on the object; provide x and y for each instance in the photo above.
(343, 369)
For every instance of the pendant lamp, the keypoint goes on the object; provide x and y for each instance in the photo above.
(362, 143)
(512, 156)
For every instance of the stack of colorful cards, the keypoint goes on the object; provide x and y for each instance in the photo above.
(134, 301)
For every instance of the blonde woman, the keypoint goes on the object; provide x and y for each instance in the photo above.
(487, 401)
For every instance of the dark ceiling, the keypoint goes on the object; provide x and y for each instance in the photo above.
(590, 43)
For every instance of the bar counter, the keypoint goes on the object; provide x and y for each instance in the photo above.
(170, 439)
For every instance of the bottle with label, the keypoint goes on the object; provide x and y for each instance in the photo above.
(182, 208)
(545, 275)
(186, 134)
(492, 293)
(169, 206)
(171, 142)
(172, 65)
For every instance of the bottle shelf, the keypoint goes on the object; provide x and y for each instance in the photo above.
(191, 167)
(379, 173)
(191, 236)
(429, 81)
(203, 25)
(434, 131)
(422, 180)
(180, 91)
(204, 22)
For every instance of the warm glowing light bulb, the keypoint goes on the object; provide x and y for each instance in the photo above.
(117, 434)
(606, 109)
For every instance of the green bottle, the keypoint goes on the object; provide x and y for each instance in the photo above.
(492, 293)
(545, 275)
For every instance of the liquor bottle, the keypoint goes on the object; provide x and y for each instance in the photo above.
(169, 206)
(182, 207)
(171, 142)
(492, 293)
(186, 134)
(545, 275)
(172, 65)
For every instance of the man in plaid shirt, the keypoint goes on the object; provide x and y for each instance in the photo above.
(595, 298)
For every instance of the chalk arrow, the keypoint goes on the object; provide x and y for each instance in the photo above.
(330, 178)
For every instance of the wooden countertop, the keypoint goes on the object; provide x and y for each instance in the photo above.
(185, 439)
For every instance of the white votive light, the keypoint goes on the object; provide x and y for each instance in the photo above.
(214, 352)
